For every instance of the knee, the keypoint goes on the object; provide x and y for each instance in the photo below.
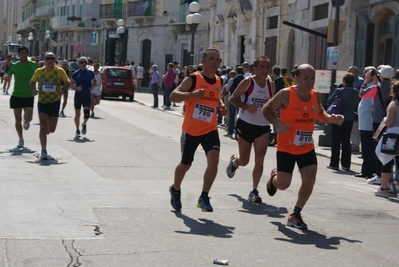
(282, 185)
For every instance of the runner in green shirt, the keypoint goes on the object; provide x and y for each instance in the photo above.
(22, 96)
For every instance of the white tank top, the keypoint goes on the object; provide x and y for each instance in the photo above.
(259, 96)
(99, 82)
(140, 72)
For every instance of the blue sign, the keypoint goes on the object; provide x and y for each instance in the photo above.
(93, 38)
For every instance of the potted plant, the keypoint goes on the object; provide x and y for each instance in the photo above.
(93, 19)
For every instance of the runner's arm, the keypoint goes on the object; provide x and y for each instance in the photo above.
(182, 92)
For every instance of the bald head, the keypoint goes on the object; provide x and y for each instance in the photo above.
(302, 68)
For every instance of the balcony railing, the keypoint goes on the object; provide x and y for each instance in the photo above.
(45, 11)
(112, 11)
(59, 22)
(141, 9)
(177, 17)
(24, 25)
(84, 24)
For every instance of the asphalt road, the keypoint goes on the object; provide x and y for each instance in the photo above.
(103, 200)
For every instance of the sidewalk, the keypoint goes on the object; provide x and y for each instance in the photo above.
(145, 98)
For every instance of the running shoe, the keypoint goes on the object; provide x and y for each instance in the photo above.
(77, 134)
(231, 169)
(62, 114)
(84, 129)
(379, 192)
(43, 156)
(254, 196)
(295, 220)
(392, 188)
(271, 189)
(26, 125)
(375, 180)
(92, 115)
(175, 201)
(204, 204)
(332, 168)
(20, 143)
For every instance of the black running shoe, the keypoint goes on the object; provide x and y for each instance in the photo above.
(271, 189)
(204, 204)
(175, 198)
(295, 220)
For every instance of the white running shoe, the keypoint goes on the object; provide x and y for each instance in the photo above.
(379, 192)
(43, 156)
(375, 180)
(20, 143)
(26, 125)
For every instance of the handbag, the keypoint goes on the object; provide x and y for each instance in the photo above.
(390, 143)
(336, 106)
(380, 130)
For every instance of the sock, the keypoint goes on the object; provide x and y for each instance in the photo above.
(253, 188)
(297, 210)
(204, 194)
(174, 190)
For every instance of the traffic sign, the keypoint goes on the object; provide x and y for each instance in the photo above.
(79, 48)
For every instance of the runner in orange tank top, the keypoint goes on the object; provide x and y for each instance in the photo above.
(299, 108)
(201, 93)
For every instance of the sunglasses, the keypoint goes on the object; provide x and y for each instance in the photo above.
(82, 62)
(49, 58)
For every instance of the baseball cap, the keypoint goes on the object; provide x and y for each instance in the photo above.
(386, 71)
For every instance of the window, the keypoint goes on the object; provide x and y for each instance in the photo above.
(272, 22)
(320, 12)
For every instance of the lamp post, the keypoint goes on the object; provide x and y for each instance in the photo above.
(47, 37)
(193, 20)
(30, 39)
(19, 38)
(120, 30)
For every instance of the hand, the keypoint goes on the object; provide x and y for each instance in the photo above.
(34, 92)
(252, 108)
(337, 119)
(60, 92)
(79, 88)
(199, 93)
(281, 128)
(223, 111)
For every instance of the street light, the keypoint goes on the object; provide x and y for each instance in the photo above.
(30, 39)
(19, 38)
(47, 37)
(193, 20)
(120, 30)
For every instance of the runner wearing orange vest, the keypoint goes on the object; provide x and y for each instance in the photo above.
(201, 93)
(299, 108)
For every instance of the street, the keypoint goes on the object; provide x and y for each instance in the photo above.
(103, 200)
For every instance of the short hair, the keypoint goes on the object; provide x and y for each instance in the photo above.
(171, 65)
(240, 70)
(22, 48)
(348, 78)
(283, 71)
(256, 61)
(83, 58)
(155, 66)
(210, 50)
(245, 64)
(175, 62)
(353, 68)
(302, 67)
(276, 69)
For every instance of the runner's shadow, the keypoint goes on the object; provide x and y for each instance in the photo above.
(81, 140)
(205, 227)
(308, 237)
(260, 208)
(48, 162)
(19, 151)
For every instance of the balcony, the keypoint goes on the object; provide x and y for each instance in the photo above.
(60, 23)
(24, 26)
(141, 10)
(86, 24)
(112, 12)
(44, 12)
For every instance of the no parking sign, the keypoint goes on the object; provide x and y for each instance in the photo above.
(78, 49)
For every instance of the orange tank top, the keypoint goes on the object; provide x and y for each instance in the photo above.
(301, 117)
(201, 117)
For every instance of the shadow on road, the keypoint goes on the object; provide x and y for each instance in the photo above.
(81, 140)
(205, 227)
(308, 237)
(19, 151)
(260, 208)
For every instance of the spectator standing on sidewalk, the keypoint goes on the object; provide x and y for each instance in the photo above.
(155, 84)
(252, 127)
(49, 79)
(168, 78)
(201, 92)
(355, 134)
(83, 81)
(22, 97)
(140, 75)
(299, 108)
(341, 134)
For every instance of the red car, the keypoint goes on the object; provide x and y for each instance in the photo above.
(120, 82)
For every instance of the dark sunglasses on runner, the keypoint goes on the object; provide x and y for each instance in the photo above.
(49, 58)
(82, 62)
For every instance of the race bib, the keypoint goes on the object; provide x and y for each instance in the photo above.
(303, 138)
(48, 87)
(203, 113)
(259, 102)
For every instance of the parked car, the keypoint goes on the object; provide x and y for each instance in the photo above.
(119, 82)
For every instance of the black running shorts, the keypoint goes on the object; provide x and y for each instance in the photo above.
(286, 161)
(21, 102)
(190, 143)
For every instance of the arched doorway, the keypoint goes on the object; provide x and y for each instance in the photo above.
(146, 60)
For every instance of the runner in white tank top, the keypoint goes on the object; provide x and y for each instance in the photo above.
(95, 93)
(252, 128)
